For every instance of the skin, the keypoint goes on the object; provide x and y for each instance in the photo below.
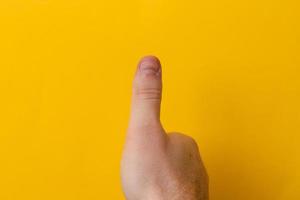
(157, 165)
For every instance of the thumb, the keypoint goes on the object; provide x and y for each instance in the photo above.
(146, 97)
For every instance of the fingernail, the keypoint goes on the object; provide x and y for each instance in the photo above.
(150, 66)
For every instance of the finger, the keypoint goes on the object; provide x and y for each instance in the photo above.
(146, 97)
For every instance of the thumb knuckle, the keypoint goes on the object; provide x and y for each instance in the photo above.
(148, 93)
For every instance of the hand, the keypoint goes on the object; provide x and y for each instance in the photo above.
(156, 165)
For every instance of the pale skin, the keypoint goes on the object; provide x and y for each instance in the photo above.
(157, 165)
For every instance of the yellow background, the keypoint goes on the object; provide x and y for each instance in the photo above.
(231, 80)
